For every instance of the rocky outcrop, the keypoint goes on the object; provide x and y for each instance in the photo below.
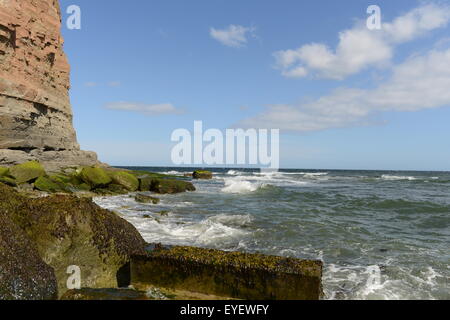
(35, 110)
(40, 238)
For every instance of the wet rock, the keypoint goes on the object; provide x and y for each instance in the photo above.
(202, 174)
(104, 294)
(228, 274)
(141, 198)
(23, 273)
(168, 186)
(67, 231)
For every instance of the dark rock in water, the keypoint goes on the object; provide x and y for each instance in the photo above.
(104, 294)
(145, 183)
(67, 231)
(141, 198)
(23, 274)
(384, 250)
(202, 174)
(168, 186)
(228, 274)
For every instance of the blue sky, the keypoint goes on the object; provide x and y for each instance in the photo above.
(343, 96)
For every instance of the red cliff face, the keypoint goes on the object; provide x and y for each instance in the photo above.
(35, 111)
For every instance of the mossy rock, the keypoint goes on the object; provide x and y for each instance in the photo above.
(202, 174)
(125, 179)
(61, 178)
(117, 188)
(83, 187)
(3, 171)
(166, 186)
(48, 185)
(27, 172)
(145, 183)
(23, 273)
(88, 294)
(95, 177)
(141, 198)
(8, 181)
(65, 230)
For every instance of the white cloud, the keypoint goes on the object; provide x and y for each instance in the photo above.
(91, 84)
(421, 82)
(359, 47)
(147, 109)
(114, 84)
(233, 36)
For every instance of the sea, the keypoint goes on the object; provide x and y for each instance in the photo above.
(381, 234)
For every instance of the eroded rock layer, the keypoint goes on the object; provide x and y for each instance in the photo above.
(35, 110)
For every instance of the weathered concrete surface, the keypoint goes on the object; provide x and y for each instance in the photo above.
(228, 274)
(35, 110)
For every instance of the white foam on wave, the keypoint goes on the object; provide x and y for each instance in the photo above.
(393, 177)
(233, 172)
(238, 185)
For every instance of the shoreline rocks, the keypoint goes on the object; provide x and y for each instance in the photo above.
(202, 174)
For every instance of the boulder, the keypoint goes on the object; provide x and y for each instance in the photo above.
(8, 181)
(145, 183)
(202, 174)
(95, 177)
(168, 186)
(23, 273)
(26, 172)
(146, 199)
(3, 171)
(112, 294)
(46, 184)
(70, 231)
(125, 179)
(228, 274)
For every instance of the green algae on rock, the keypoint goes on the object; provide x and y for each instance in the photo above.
(95, 177)
(166, 186)
(23, 273)
(27, 171)
(104, 294)
(142, 198)
(48, 185)
(3, 171)
(67, 230)
(125, 179)
(228, 274)
(202, 174)
(8, 181)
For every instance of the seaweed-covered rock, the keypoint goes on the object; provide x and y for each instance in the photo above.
(168, 186)
(228, 274)
(8, 181)
(3, 171)
(95, 177)
(23, 274)
(27, 171)
(125, 179)
(68, 231)
(48, 185)
(117, 188)
(104, 294)
(202, 174)
(145, 183)
(142, 198)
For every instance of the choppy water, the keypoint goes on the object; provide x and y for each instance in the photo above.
(381, 235)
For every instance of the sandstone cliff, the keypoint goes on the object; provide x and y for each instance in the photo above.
(35, 111)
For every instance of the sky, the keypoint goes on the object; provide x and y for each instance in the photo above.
(342, 95)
